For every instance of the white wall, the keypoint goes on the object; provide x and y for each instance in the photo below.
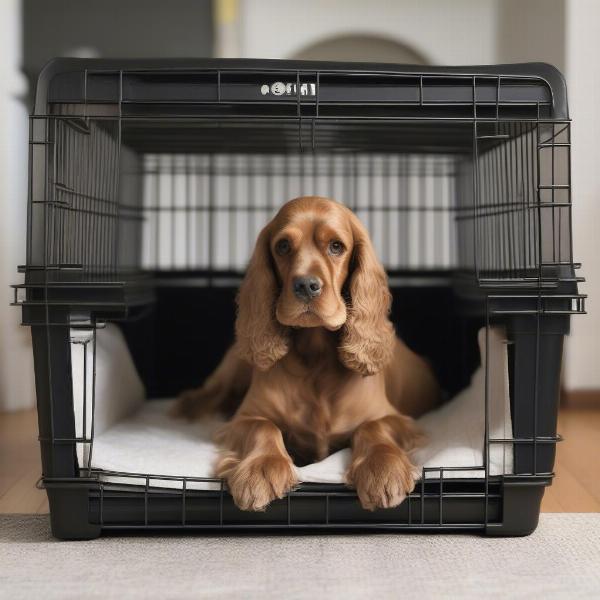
(582, 364)
(444, 32)
(16, 362)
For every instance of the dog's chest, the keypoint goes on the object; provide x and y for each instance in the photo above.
(310, 427)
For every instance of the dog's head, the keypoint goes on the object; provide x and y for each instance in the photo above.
(314, 266)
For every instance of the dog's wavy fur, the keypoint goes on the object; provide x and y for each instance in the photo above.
(306, 378)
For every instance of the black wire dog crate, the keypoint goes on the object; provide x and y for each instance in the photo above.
(149, 183)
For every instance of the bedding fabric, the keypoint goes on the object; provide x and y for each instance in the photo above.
(134, 436)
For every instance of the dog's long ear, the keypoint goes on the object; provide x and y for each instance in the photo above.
(368, 338)
(261, 340)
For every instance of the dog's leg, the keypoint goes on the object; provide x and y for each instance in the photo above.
(381, 470)
(410, 382)
(222, 391)
(254, 462)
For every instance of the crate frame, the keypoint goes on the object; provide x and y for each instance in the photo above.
(59, 295)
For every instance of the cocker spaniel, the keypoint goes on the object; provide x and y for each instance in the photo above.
(316, 365)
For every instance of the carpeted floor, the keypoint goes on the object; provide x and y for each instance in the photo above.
(560, 560)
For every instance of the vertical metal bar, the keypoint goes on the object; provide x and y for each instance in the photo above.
(475, 190)
(287, 175)
(101, 504)
(232, 214)
(317, 94)
(523, 185)
(453, 205)
(55, 258)
(331, 173)
(299, 111)
(96, 219)
(501, 201)
(536, 380)
(173, 173)
(84, 345)
(315, 178)
(539, 200)
(30, 224)
(61, 198)
(212, 190)
(301, 161)
(569, 193)
(46, 225)
(438, 216)
(386, 255)
(423, 495)
(157, 205)
(251, 209)
(146, 500)
(403, 224)
(199, 209)
(183, 508)
(488, 218)
(530, 200)
(93, 400)
(508, 166)
(103, 208)
(370, 212)
(355, 162)
(271, 173)
(441, 506)
(222, 490)
(188, 209)
(486, 444)
(498, 85)
(552, 195)
(85, 93)
(74, 181)
(422, 179)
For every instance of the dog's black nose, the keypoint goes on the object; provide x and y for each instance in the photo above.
(307, 288)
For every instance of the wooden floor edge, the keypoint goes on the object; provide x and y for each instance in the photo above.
(581, 398)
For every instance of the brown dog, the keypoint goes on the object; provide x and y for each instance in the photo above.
(316, 365)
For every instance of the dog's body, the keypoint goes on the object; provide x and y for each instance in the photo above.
(316, 365)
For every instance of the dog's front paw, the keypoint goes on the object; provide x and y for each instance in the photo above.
(256, 482)
(382, 478)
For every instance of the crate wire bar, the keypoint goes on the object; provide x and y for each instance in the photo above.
(151, 180)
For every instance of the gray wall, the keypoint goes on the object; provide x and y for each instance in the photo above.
(114, 29)
(531, 30)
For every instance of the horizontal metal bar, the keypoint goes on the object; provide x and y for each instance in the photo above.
(215, 119)
(300, 526)
(538, 440)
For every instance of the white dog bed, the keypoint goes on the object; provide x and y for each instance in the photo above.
(133, 435)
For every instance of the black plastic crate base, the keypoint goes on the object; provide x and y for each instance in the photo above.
(82, 510)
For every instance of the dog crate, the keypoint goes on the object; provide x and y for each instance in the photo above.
(149, 183)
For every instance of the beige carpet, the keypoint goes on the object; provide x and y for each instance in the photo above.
(560, 560)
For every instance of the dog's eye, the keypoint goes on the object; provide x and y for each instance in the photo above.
(336, 247)
(282, 247)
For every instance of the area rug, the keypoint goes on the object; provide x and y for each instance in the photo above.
(560, 560)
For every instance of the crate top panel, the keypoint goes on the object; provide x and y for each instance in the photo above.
(235, 88)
